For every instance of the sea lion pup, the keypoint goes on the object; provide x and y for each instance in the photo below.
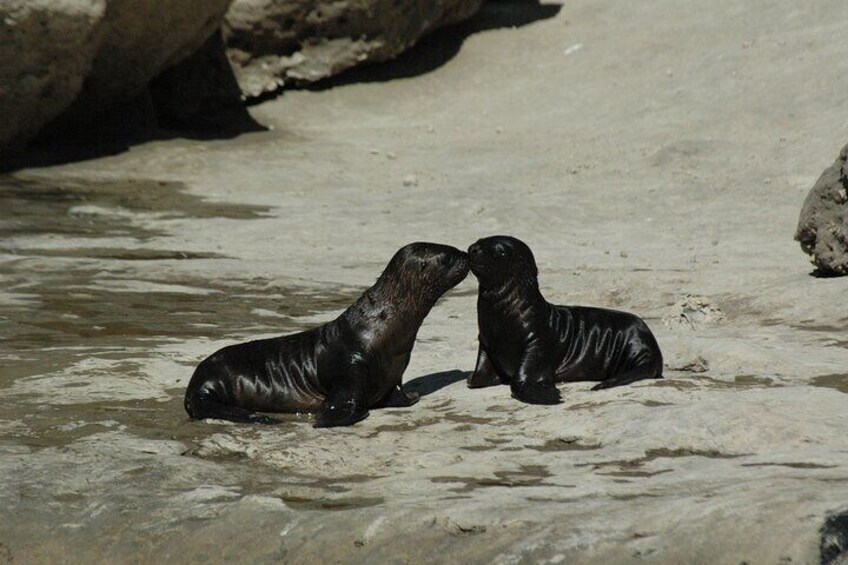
(531, 344)
(340, 369)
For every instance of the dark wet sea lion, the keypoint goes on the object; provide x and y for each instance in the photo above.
(340, 369)
(531, 344)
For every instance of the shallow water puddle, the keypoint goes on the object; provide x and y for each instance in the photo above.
(88, 341)
(103, 208)
(838, 382)
(102, 320)
(634, 467)
(524, 476)
(564, 444)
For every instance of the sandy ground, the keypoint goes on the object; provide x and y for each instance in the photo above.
(644, 150)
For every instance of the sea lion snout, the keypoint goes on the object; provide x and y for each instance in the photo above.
(478, 256)
(459, 259)
(462, 264)
(475, 254)
(458, 265)
(438, 267)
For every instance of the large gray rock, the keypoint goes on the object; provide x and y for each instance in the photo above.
(834, 539)
(142, 38)
(823, 225)
(46, 50)
(273, 42)
(89, 54)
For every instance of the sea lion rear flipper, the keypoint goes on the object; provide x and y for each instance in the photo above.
(202, 404)
(628, 377)
(534, 380)
(484, 373)
(397, 398)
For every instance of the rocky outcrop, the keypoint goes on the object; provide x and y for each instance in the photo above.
(46, 50)
(834, 539)
(823, 225)
(275, 42)
(79, 56)
(142, 38)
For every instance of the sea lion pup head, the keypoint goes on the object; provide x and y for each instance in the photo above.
(502, 263)
(420, 273)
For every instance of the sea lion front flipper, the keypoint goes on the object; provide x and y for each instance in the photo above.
(398, 398)
(534, 380)
(484, 373)
(340, 413)
(345, 402)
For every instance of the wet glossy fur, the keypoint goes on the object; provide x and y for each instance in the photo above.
(531, 344)
(340, 369)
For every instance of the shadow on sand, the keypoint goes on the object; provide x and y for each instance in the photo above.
(117, 131)
(439, 47)
(428, 384)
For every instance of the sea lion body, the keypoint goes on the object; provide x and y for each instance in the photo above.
(532, 344)
(339, 369)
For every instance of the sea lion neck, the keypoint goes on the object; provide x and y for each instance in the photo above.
(384, 320)
(391, 306)
(390, 294)
(524, 291)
